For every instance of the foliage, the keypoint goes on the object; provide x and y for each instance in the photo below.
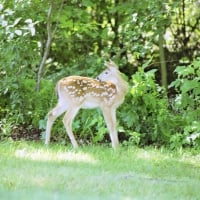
(187, 100)
(25, 106)
(18, 59)
(145, 115)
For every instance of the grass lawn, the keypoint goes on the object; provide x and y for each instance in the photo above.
(29, 170)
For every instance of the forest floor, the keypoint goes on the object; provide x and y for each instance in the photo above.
(29, 170)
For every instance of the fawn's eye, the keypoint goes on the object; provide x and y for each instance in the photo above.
(106, 72)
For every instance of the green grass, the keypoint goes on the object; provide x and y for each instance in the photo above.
(30, 170)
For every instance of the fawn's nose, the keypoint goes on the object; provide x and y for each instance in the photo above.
(98, 79)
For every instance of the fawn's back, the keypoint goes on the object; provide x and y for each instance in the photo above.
(87, 92)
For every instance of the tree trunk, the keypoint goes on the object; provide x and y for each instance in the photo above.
(162, 62)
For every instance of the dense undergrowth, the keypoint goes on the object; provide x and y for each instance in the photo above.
(147, 117)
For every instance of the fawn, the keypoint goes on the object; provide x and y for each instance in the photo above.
(107, 92)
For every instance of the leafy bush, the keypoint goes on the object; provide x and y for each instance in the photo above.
(24, 106)
(145, 115)
(148, 116)
(187, 100)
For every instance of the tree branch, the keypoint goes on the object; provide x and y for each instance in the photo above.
(47, 47)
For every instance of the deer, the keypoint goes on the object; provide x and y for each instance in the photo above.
(106, 92)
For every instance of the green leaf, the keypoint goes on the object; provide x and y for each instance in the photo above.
(146, 64)
(185, 70)
(87, 3)
(189, 85)
(196, 63)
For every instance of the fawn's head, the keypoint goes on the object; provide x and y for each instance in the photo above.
(110, 74)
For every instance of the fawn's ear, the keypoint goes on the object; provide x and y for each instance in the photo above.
(111, 65)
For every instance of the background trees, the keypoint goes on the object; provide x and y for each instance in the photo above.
(148, 39)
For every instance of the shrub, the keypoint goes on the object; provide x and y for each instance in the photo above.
(145, 115)
(187, 100)
(24, 107)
